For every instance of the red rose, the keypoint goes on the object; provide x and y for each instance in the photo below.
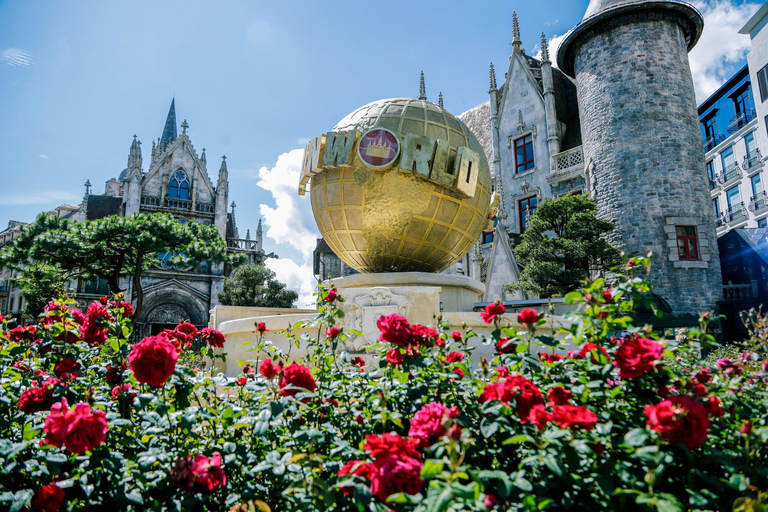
(18, 334)
(607, 296)
(539, 416)
(505, 346)
(746, 428)
(331, 296)
(153, 360)
(395, 356)
(55, 425)
(85, 429)
(700, 390)
(429, 422)
(37, 399)
(704, 375)
(297, 376)
(559, 395)
(714, 407)
(725, 365)
(456, 336)
(588, 348)
(394, 475)
(636, 357)
(115, 373)
(187, 328)
(126, 307)
(95, 329)
(459, 372)
(67, 369)
(123, 390)
(422, 335)
(269, 370)
(261, 327)
(390, 445)
(199, 473)
(47, 498)
(356, 468)
(491, 311)
(574, 417)
(550, 358)
(332, 332)
(454, 357)
(395, 329)
(241, 381)
(528, 316)
(213, 337)
(492, 391)
(679, 418)
(358, 361)
(524, 393)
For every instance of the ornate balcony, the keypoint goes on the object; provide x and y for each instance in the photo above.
(568, 160)
(740, 120)
(752, 160)
(712, 141)
(176, 205)
(720, 221)
(729, 175)
(242, 245)
(740, 291)
(736, 213)
(758, 204)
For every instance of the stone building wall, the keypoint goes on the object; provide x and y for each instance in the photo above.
(644, 151)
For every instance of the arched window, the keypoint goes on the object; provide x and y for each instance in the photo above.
(179, 186)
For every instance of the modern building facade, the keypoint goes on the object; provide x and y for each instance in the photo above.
(175, 182)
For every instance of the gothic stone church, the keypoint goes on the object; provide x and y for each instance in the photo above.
(176, 182)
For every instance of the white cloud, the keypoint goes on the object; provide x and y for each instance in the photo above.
(47, 197)
(302, 141)
(721, 47)
(44, 157)
(16, 57)
(290, 222)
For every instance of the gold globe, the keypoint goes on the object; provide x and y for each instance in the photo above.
(394, 221)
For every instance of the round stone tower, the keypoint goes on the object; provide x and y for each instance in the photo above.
(642, 144)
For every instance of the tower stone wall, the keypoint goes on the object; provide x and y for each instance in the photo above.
(643, 151)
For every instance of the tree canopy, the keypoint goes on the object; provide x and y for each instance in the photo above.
(563, 247)
(256, 286)
(113, 247)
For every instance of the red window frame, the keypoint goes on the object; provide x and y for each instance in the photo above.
(522, 206)
(687, 243)
(526, 145)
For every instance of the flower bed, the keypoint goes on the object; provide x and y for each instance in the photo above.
(628, 422)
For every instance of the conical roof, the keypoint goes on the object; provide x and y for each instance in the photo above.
(169, 131)
(601, 11)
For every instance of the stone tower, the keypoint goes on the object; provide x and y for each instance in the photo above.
(643, 152)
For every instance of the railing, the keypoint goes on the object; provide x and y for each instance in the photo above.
(712, 141)
(150, 201)
(740, 291)
(205, 207)
(759, 203)
(740, 120)
(712, 184)
(736, 213)
(567, 159)
(242, 244)
(752, 160)
(178, 204)
(729, 173)
(720, 221)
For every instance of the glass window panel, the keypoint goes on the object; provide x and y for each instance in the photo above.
(727, 157)
(733, 196)
(692, 251)
(757, 185)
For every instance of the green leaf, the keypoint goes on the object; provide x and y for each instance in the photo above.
(553, 464)
(520, 438)
(431, 469)
(488, 427)
(636, 437)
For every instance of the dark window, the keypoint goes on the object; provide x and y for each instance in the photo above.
(526, 208)
(762, 223)
(687, 244)
(716, 207)
(178, 188)
(711, 174)
(762, 83)
(743, 101)
(487, 237)
(524, 153)
(710, 131)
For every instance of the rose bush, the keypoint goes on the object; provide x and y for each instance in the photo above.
(603, 416)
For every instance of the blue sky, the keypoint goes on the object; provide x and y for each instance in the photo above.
(255, 80)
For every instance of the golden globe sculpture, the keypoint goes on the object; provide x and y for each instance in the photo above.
(399, 185)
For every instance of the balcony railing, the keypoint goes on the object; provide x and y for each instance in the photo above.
(205, 207)
(740, 120)
(720, 221)
(752, 160)
(568, 159)
(154, 202)
(242, 244)
(730, 173)
(740, 291)
(736, 213)
(759, 203)
(713, 140)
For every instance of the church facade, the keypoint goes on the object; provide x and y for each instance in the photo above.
(176, 182)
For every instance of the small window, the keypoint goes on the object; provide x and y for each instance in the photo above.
(526, 207)
(687, 243)
(762, 223)
(711, 174)
(487, 237)
(178, 188)
(762, 82)
(524, 154)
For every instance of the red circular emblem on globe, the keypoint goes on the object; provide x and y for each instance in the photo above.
(378, 148)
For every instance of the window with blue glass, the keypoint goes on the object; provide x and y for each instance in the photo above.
(743, 100)
(716, 207)
(762, 223)
(524, 154)
(762, 83)
(711, 173)
(178, 188)
(729, 163)
(749, 140)
(757, 186)
(710, 131)
(526, 207)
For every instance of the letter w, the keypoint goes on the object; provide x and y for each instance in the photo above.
(338, 147)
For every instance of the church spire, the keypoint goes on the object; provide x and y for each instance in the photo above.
(544, 48)
(493, 79)
(134, 155)
(169, 131)
(422, 88)
(516, 41)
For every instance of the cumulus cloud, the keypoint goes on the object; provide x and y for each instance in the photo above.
(721, 48)
(16, 57)
(290, 222)
(49, 197)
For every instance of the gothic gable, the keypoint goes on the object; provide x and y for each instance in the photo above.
(521, 87)
(180, 155)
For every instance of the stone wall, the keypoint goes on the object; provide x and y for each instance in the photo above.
(643, 148)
